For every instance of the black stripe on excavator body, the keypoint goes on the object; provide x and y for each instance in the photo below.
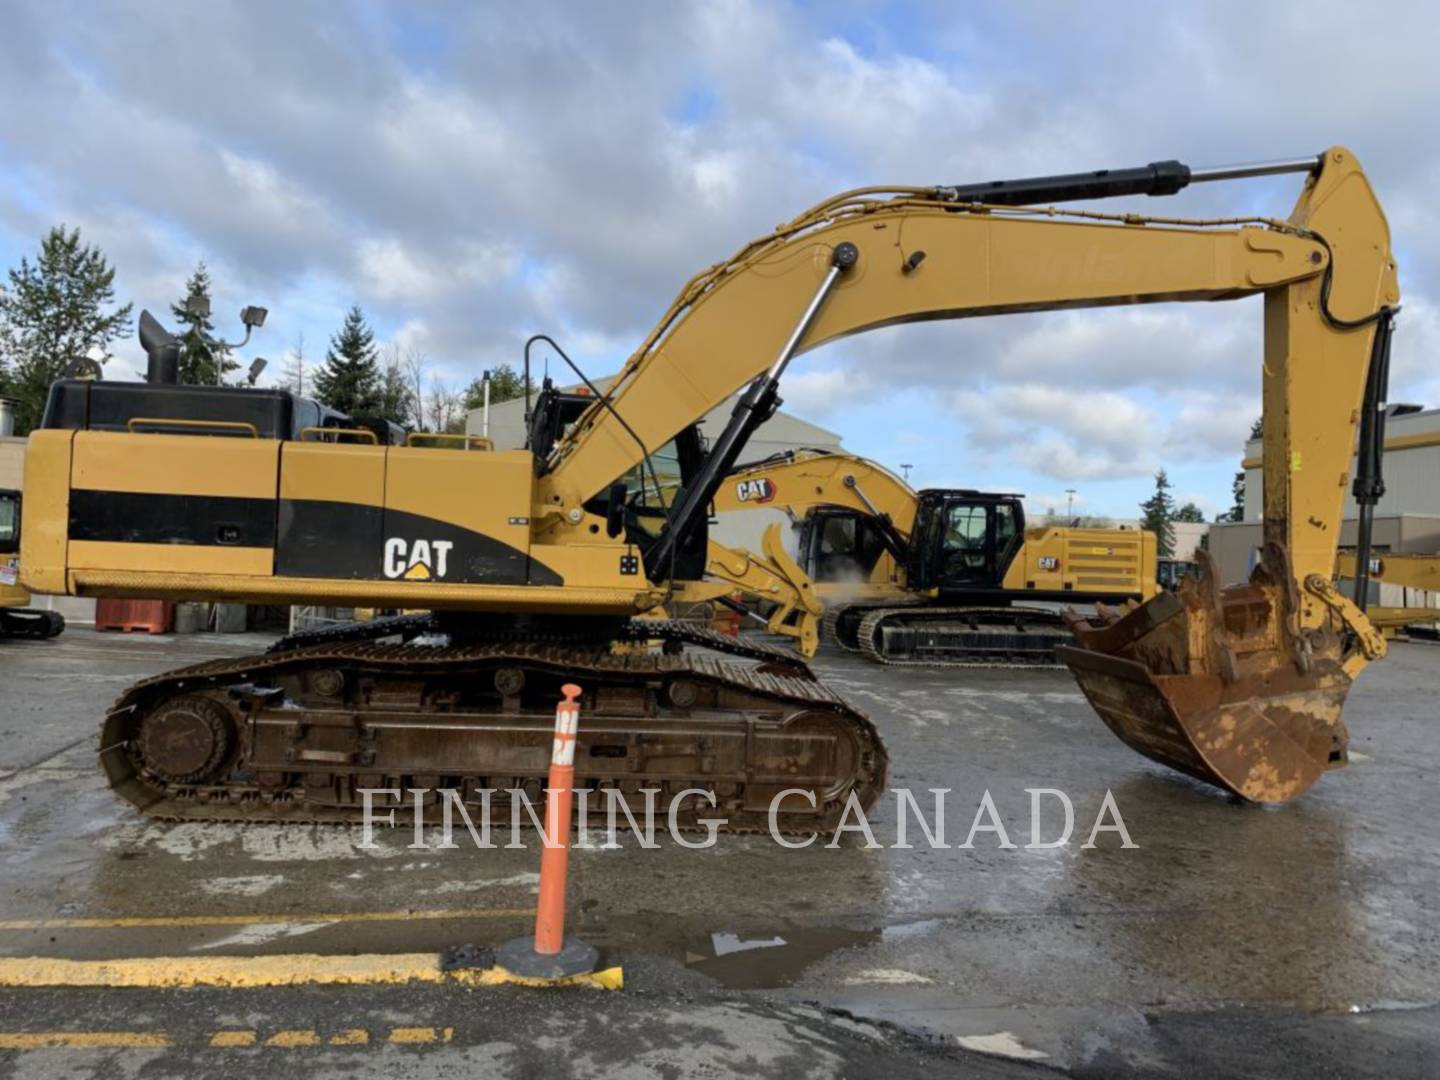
(129, 517)
(313, 538)
(320, 538)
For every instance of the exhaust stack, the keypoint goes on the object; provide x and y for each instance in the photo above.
(162, 351)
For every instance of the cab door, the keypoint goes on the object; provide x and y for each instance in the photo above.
(971, 540)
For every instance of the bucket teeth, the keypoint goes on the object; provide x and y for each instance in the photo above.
(1219, 683)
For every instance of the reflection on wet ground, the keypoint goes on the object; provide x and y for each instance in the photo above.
(1327, 903)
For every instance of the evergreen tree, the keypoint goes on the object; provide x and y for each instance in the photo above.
(204, 358)
(506, 384)
(1157, 514)
(1190, 512)
(1237, 486)
(349, 380)
(52, 313)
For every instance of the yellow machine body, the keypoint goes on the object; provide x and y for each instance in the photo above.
(1080, 561)
(267, 521)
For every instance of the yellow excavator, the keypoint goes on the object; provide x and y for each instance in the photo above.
(536, 561)
(1407, 570)
(945, 576)
(17, 617)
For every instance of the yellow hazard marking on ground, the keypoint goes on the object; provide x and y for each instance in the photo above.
(142, 921)
(350, 1037)
(298, 969)
(411, 1036)
(233, 1038)
(81, 1040)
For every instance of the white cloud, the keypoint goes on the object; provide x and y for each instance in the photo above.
(547, 173)
(1064, 434)
(390, 271)
(820, 393)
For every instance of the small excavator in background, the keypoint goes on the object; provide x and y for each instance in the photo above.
(944, 576)
(1407, 570)
(537, 562)
(17, 618)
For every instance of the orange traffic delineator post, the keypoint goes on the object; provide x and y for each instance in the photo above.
(550, 954)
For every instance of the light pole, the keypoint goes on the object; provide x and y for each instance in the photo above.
(906, 470)
(1070, 505)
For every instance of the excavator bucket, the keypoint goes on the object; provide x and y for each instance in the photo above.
(1222, 683)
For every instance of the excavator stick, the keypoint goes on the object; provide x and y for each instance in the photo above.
(1221, 684)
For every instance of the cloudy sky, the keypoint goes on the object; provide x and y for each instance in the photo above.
(473, 173)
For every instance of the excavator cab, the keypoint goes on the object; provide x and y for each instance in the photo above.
(840, 545)
(964, 541)
(638, 502)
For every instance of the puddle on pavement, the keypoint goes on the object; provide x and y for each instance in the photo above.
(764, 960)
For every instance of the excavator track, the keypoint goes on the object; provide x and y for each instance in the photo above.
(671, 633)
(296, 736)
(773, 659)
(971, 637)
(841, 623)
(830, 626)
(30, 623)
(405, 627)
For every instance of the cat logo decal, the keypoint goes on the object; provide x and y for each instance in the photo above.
(761, 490)
(419, 560)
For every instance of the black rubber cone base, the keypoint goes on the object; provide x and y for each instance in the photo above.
(518, 956)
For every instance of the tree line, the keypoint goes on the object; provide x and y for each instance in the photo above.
(58, 316)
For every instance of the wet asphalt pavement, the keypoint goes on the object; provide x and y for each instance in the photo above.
(1231, 940)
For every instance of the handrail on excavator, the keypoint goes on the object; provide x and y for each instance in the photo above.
(468, 442)
(337, 434)
(238, 427)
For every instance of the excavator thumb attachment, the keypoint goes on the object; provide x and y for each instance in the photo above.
(776, 578)
(1222, 683)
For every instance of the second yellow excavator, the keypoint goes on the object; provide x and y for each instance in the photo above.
(944, 576)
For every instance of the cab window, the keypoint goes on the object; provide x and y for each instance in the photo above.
(965, 540)
(9, 522)
(846, 549)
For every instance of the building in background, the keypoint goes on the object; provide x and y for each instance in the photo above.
(1407, 519)
(781, 432)
(1189, 535)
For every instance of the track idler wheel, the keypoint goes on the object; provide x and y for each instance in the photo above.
(186, 739)
(1221, 684)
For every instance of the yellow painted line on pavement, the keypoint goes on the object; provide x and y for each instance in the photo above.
(284, 1039)
(80, 1040)
(414, 1036)
(294, 1037)
(297, 969)
(134, 922)
(233, 1038)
